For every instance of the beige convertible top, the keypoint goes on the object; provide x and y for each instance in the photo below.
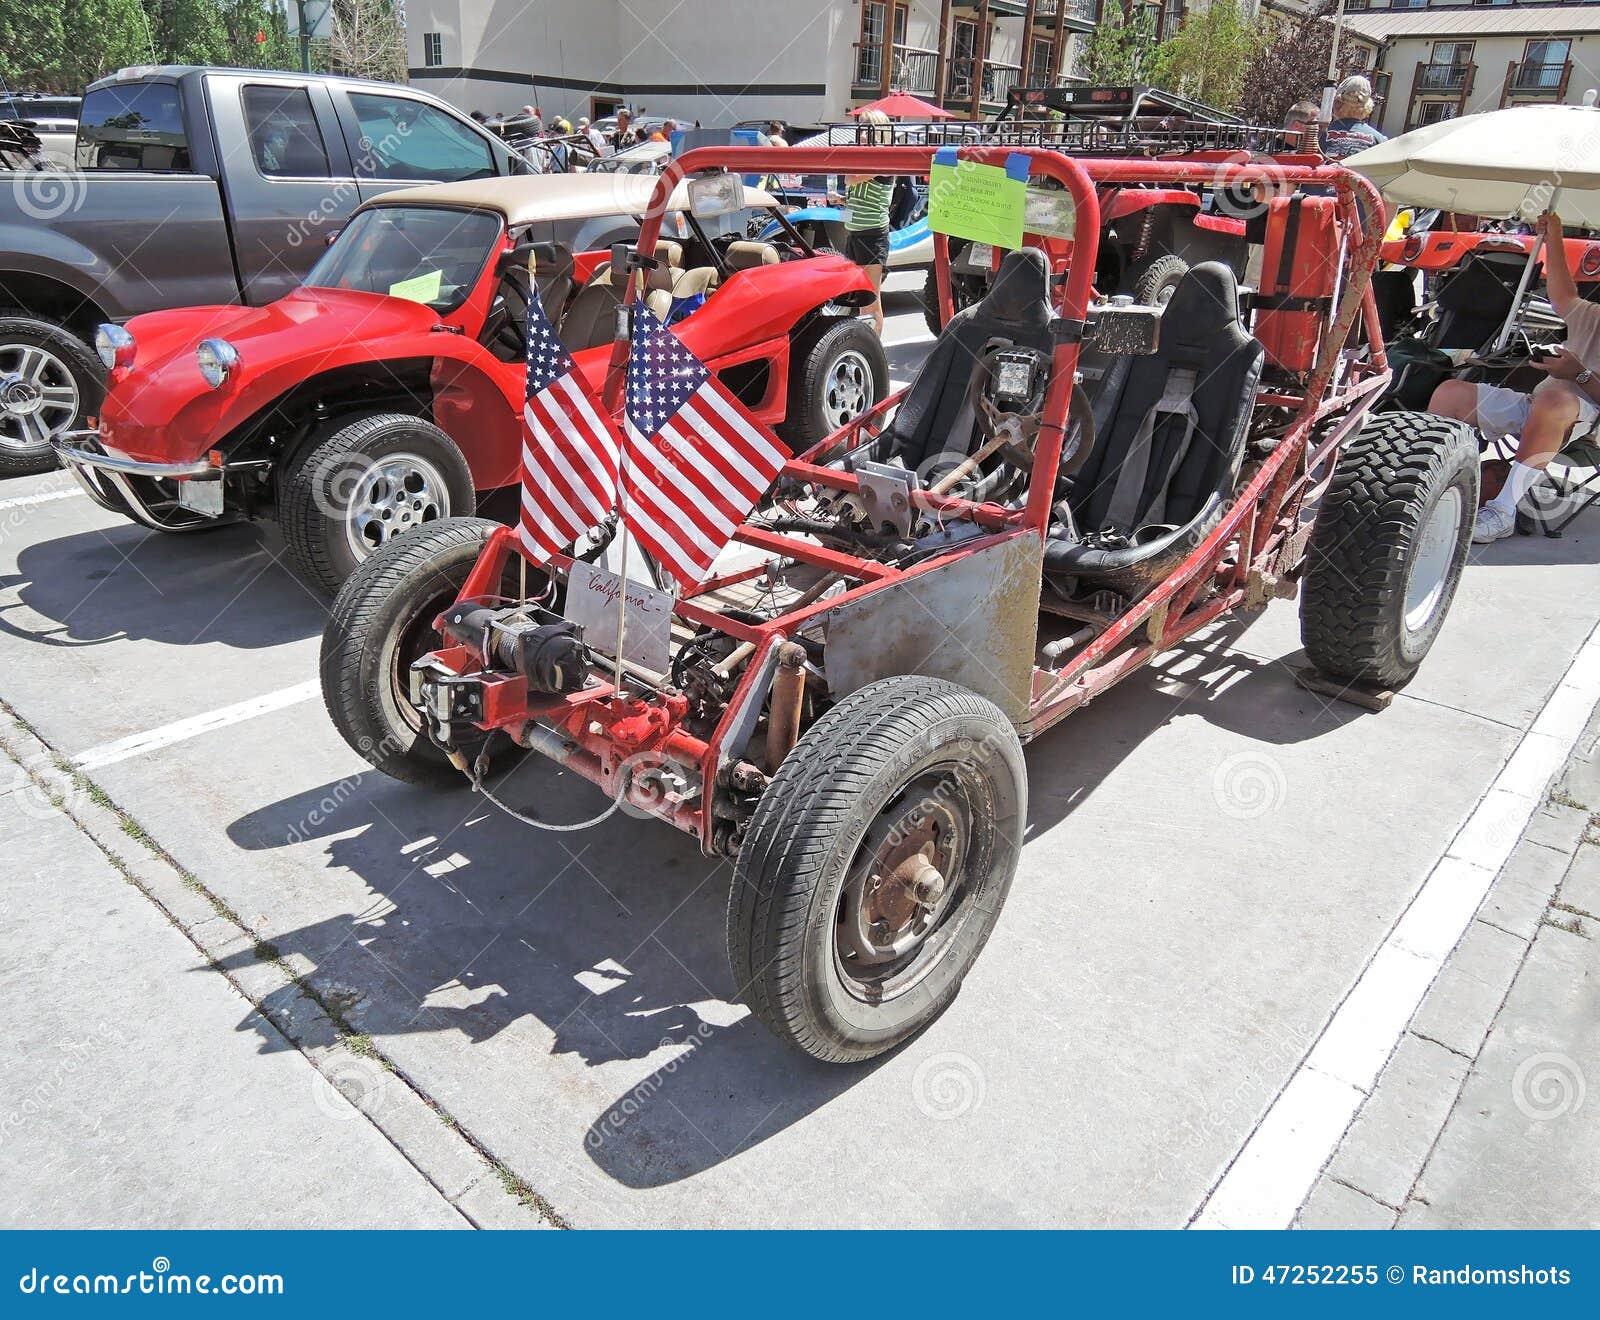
(527, 198)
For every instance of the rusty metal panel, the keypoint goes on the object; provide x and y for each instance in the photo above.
(974, 621)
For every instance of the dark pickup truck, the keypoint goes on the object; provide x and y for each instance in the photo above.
(195, 186)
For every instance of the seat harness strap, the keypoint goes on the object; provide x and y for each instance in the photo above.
(1177, 400)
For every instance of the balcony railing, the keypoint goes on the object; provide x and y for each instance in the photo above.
(998, 80)
(958, 75)
(1529, 78)
(1452, 78)
(914, 70)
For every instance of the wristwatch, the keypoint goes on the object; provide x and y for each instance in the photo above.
(1584, 376)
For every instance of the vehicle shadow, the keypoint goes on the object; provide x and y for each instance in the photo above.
(608, 944)
(231, 585)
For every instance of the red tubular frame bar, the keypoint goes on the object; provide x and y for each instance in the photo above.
(602, 727)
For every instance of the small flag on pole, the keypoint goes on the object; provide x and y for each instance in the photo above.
(697, 462)
(570, 448)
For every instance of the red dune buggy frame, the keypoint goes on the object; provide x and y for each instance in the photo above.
(848, 723)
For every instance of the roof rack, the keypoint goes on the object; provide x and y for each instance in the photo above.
(1145, 136)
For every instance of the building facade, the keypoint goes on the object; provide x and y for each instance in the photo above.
(803, 61)
(1435, 61)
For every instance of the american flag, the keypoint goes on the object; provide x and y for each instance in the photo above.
(569, 453)
(697, 461)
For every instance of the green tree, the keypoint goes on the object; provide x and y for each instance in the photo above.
(188, 31)
(1212, 56)
(100, 37)
(1120, 47)
(32, 42)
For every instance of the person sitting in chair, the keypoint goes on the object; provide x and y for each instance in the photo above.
(1568, 397)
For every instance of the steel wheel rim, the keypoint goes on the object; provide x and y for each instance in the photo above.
(885, 941)
(396, 493)
(38, 396)
(1434, 557)
(847, 390)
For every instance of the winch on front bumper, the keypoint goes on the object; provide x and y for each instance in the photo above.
(126, 485)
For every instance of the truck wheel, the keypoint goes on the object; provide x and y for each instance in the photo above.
(1388, 547)
(382, 621)
(351, 490)
(1152, 281)
(875, 866)
(49, 381)
(835, 375)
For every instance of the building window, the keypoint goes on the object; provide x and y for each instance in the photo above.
(1435, 112)
(433, 50)
(869, 51)
(1544, 65)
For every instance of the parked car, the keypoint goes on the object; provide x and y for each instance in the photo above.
(53, 118)
(388, 390)
(203, 185)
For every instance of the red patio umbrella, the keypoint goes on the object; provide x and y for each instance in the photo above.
(903, 105)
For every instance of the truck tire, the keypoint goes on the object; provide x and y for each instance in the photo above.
(1390, 541)
(1153, 280)
(835, 374)
(844, 935)
(381, 621)
(50, 380)
(360, 483)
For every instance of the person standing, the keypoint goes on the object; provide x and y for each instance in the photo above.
(866, 223)
(1348, 131)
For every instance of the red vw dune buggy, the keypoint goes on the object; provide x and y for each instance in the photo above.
(388, 390)
(1069, 487)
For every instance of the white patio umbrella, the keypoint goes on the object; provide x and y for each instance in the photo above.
(1516, 162)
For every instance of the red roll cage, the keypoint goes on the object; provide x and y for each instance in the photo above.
(599, 731)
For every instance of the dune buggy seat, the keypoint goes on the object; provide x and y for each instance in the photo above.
(936, 419)
(1169, 442)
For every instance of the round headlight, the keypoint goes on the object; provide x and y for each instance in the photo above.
(217, 357)
(115, 347)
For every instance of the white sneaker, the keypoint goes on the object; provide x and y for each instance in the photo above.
(1492, 524)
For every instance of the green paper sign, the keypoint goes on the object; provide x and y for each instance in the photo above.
(983, 203)
(419, 288)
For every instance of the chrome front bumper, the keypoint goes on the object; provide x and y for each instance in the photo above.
(105, 479)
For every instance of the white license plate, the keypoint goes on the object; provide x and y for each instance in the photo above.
(201, 497)
(980, 255)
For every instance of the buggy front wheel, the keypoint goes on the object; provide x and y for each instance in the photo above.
(875, 866)
(1388, 548)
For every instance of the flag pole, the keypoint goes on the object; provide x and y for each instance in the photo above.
(624, 330)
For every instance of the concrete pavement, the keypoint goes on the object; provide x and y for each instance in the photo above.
(1488, 1116)
(1213, 857)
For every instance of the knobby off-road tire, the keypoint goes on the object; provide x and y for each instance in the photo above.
(901, 749)
(382, 620)
(835, 374)
(1390, 541)
(363, 481)
(1154, 279)
(58, 381)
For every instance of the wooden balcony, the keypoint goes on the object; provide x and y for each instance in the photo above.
(1074, 15)
(1443, 79)
(1533, 80)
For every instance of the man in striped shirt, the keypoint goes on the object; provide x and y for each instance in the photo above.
(866, 222)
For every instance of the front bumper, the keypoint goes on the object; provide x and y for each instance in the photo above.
(107, 479)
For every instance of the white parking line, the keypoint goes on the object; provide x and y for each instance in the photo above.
(139, 743)
(42, 497)
(1274, 1171)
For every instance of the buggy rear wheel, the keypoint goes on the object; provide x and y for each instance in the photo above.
(1390, 541)
(875, 866)
(382, 621)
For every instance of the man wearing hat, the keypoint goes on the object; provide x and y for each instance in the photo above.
(1349, 132)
